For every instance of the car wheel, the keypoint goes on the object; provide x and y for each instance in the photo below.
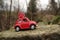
(17, 29)
(32, 27)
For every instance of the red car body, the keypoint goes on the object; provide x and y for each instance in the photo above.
(23, 22)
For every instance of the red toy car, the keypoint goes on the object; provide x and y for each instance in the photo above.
(24, 23)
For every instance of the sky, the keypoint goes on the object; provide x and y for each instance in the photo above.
(42, 3)
(24, 4)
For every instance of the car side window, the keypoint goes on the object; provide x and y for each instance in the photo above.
(25, 20)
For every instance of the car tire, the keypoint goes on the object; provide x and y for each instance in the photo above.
(32, 27)
(17, 29)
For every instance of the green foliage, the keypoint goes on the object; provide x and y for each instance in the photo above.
(32, 9)
(53, 7)
(56, 20)
(32, 6)
(28, 15)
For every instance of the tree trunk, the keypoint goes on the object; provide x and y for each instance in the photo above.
(9, 17)
(0, 22)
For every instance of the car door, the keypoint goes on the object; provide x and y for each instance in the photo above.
(25, 24)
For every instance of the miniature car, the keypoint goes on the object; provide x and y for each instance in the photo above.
(24, 23)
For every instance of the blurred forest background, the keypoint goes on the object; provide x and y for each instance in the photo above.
(50, 15)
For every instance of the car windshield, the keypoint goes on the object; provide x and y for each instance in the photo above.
(27, 18)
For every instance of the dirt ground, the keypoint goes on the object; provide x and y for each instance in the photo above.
(42, 32)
